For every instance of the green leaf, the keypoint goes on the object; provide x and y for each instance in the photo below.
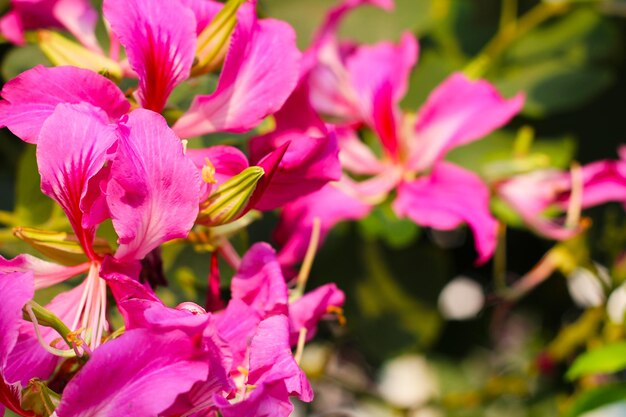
(492, 157)
(383, 224)
(18, 60)
(32, 207)
(555, 86)
(561, 65)
(596, 398)
(603, 360)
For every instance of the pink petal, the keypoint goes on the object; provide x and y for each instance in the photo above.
(204, 11)
(260, 71)
(12, 28)
(533, 193)
(31, 97)
(457, 112)
(236, 325)
(330, 204)
(29, 359)
(45, 273)
(74, 145)
(154, 189)
(306, 312)
(308, 164)
(157, 367)
(273, 372)
(356, 156)
(335, 16)
(259, 281)
(80, 18)
(446, 198)
(160, 41)
(228, 161)
(16, 289)
(271, 359)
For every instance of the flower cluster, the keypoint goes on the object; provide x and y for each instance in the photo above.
(128, 158)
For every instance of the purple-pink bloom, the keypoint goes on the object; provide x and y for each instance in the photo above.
(348, 82)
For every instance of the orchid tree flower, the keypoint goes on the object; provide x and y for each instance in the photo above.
(362, 86)
(539, 196)
(76, 16)
(248, 343)
(132, 170)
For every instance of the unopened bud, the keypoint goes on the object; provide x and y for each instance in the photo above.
(62, 51)
(230, 199)
(213, 40)
(62, 247)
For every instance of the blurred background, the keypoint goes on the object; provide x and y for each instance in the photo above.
(428, 333)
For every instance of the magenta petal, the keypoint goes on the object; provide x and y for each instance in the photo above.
(271, 359)
(31, 97)
(80, 18)
(335, 15)
(153, 192)
(46, 273)
(16, 289)
(259, 73)
(160, 41)
(308, 164)
(11, 27)
(306, 312)
(355, 156)
(457, 112)
(140, 374)
(204, 11)
(236, 325)
(274, 373)
(73, 147)
(259, 281)
(446, 198)
(330, 204)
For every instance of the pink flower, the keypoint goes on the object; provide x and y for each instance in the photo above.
(533, 194)
(133, 171)
(362, 85)
(76, 16)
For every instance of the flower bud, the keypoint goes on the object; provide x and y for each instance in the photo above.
(62, 51)
(60, 246)
(230, 199)
(213, 40)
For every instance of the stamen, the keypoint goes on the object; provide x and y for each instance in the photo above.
(309, 257)
(42, 342)
(300, 347)
(338, 312)
(576, 197)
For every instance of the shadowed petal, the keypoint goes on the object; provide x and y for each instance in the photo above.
(307, 165)
(153, 192)
(259, 281)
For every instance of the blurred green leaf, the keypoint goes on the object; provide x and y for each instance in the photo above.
(383, 224)
(32, 207)
(18, 60)
(605, 359)
(561, 65)
(492, 157)
(596, 398)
